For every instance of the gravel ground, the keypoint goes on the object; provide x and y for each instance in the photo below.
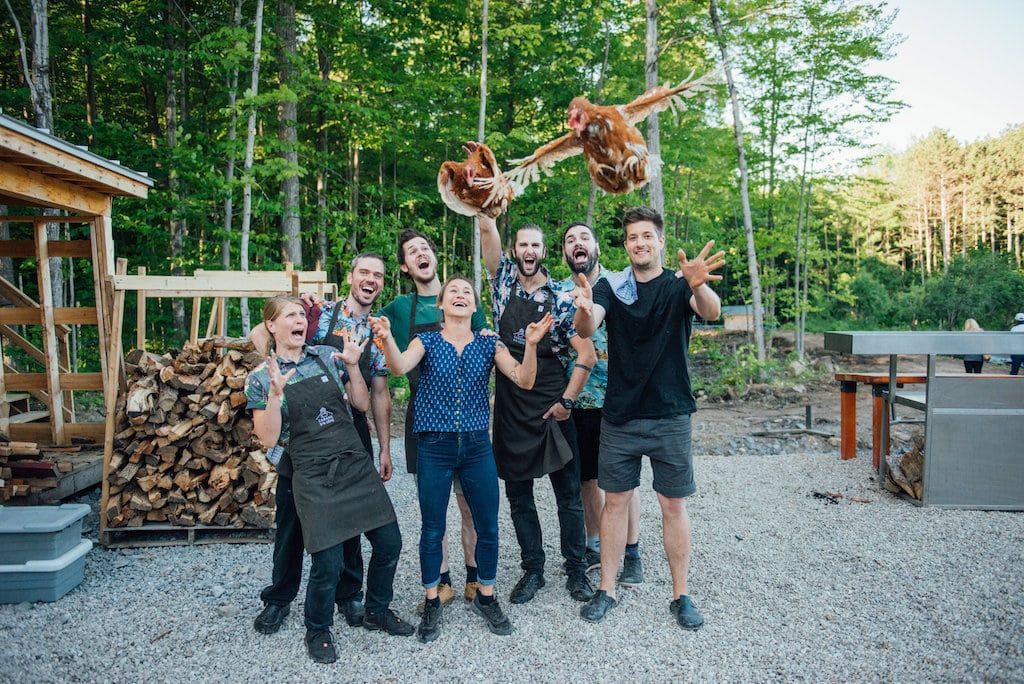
(792, 587)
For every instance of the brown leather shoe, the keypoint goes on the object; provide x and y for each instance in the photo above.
(470, 591)
(445, 593)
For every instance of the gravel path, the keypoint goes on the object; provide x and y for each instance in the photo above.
(792, 587)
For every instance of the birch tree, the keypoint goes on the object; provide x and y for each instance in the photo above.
(250, 141)
(287, 113)
(657, 195)
(480, 123)
(229, 173)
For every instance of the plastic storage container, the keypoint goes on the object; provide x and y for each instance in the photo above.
(39, 533)
(45, 580)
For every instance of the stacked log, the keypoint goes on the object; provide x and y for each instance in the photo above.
(184, 450)
(28, 468)
(906, 470)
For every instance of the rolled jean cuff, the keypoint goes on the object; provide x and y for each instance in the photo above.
(486, 582)
(431, 585)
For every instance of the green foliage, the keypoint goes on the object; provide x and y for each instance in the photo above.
(982, 285)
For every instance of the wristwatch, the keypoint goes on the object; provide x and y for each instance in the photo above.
(567, 403)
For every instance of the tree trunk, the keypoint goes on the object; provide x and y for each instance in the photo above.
(229, 174)
(324, 64)
(287, 114)
(250, 141)
(800, 214)
(480, 126)
(748, 224)
(599, 99)
(657, 194)
(90, 78)
(175, 225)
(944, 217)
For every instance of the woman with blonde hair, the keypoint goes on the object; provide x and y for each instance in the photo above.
(973, 362)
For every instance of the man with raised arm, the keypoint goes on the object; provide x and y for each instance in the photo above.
(534, 434)
(647, 311)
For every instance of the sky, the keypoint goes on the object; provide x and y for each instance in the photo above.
(961, 68)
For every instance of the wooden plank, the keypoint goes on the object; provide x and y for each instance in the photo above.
(42, 396)
(32, 186)
(82, 477)
(197, 307)
(37, 354)
(45, 219)
(68, 381)
(40, 432)
(21, 315)
(101, 287)
(114, 361)
(49, 336)
(5, 397)
(76, 315)
(14, 295)
(214, 315)
(28, 417)
(25, 249)
(140, 316)
(33, 315)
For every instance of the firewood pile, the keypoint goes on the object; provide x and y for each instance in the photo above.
(30, 468)
(184, 449)
(906, 469)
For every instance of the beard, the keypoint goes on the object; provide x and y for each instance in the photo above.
(584, 267)
(525, 270)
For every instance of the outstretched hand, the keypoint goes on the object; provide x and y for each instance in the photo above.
(277, 380)
(536, 331)
(350, 353)
(698, 271)
(381, 327)
(583, 294)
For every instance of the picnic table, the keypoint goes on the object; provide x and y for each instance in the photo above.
(974, 424)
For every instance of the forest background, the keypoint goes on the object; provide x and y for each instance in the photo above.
(357, 102)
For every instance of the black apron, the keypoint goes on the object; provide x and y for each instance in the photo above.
(365, 365)
(414, 381)
(525, 445)
(338, 493)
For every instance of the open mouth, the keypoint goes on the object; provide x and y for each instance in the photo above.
(423, 263)
(368, 290)
(299, 334)
(529, 261)
(580, 254)
(460, 304)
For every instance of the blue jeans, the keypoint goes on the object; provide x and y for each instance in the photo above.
(380, 576)
(442, 456)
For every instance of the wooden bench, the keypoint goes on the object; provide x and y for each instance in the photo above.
(879, 383)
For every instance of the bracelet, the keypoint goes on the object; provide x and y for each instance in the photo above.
(585, 367)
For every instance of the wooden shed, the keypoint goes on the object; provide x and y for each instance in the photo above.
(41, 171)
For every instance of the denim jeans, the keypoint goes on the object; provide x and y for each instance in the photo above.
(1016, 361)
(380, 576)
(287, 573)
(566, 485)
(467, 455)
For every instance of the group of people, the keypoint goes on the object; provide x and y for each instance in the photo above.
(591, 376)
(973, 363)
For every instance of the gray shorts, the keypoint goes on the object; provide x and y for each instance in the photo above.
(666, 441)
(456, 484)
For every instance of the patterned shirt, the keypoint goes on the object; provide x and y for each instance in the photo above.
(257, 386)
(592, 394)
(453, 392)
(505, 285)
(358, 325)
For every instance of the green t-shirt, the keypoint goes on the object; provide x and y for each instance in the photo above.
(426, 312)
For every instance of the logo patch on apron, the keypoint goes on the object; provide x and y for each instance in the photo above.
(519, 337)
(324, 417)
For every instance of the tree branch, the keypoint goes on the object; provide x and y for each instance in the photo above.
(23, 51)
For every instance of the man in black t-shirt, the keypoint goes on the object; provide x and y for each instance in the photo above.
(647, 311)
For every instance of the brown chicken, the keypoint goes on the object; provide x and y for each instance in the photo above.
(476, 185)
(617, 156)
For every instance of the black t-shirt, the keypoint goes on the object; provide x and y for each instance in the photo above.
(647, 342)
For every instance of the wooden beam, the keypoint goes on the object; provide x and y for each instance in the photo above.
(68, 381)
(33, 315)
(45, 219)
(102, 289)
(76, 315)
(40, 432)
(49, 336)
(113, 361)
(16, 296)
(67, 162)
(20, 183)
(26, 249)
(193, 330)
(140, 316)
(21, 315)
(5, 405)
(35, 352)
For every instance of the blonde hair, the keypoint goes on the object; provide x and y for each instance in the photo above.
(271, 310)
(971, 325)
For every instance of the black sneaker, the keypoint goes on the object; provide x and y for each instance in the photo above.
(271, 618)
(686, 613)
(632, 572)
(527, 587)
(320, 646)
(492, 613)
(388, 621)
(593, 559)
(597, 607)
(579, 587)
(353, 611)
(430, 621)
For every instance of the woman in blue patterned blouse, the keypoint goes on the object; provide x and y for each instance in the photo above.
(452, 419)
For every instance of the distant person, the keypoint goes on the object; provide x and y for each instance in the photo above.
(1017, 360)
(973, 362)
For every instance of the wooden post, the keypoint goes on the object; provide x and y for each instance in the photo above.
(214, 314)
(197, 305)
(110, 395)
(49, 337)
(99, 281)
(877, 416)
(140, 316)
(5, 405)
(847, 420)
(222, 316)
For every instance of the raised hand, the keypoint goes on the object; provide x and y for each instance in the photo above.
(536, 331)
(583, 294)
(277, 380)
(312, 299)
(350, 353)
(381, 327)
(698, 271)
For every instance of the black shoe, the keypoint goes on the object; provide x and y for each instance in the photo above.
(388, 621)
(526, 588)
(592, 559)
(320, 646)
(271, 618)
(597, 607)
(493, 615)
(430, 621)
(632, 572)
(579, 587)
(353, 611)
(686, 613)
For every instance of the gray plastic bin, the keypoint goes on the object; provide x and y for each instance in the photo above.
(34, 533)
(46, 580)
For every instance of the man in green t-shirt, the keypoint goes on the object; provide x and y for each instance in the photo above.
(410, 314)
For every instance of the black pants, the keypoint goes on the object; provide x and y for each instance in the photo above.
(380, 578)
(1016, 361)
(566, 485)
(973, 366)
